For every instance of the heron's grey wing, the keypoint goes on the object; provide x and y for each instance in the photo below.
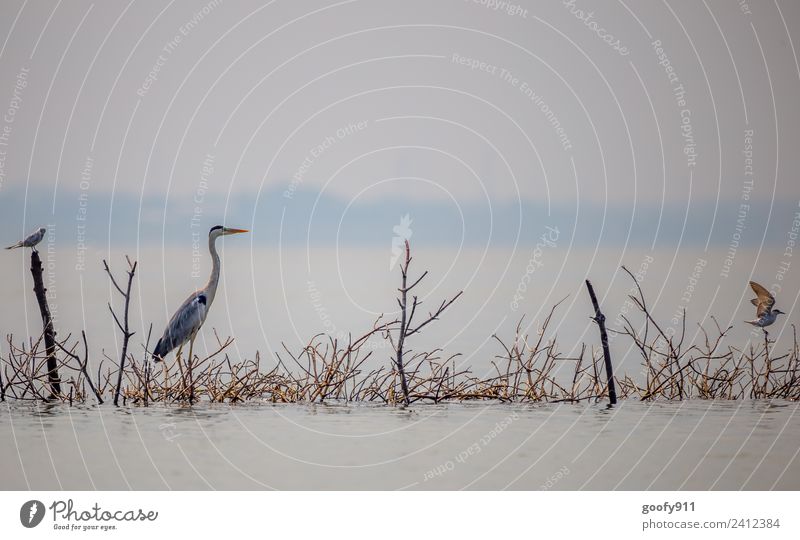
(765, 300)
(185, 322)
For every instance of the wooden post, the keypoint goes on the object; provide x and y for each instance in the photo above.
(600, 319)
(47, 324)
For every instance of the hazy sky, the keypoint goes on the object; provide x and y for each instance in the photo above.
(575, 109)
(669, 127)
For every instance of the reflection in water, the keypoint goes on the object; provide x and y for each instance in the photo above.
(658, 445)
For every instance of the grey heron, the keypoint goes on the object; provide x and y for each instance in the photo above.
(186, 322)
(31, 240)
(765, 315)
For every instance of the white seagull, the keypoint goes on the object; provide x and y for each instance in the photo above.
(31, 241)
(765, 315)
(186, 322)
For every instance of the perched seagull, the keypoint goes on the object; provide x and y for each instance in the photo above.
(764, 312)
(31, 240)
(186, 322)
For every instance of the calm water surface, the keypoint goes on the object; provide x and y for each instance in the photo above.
(690, 445)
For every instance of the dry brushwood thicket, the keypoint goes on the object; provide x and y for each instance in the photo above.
(528, 368)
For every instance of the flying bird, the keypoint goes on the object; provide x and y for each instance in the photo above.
(765, 315)
(186, 322)
(31, 241)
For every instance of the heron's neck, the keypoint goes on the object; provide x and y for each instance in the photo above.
(213, 280)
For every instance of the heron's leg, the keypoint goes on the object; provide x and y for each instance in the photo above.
(180, 364)
(165, 373)
(189, 367)
(191, 346)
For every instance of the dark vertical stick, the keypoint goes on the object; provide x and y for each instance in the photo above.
(147, 366)
(403, 324)
(600, 319)
(126, 333)
(407, 327)
(47, 324)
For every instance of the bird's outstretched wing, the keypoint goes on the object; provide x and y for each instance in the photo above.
(765, 300)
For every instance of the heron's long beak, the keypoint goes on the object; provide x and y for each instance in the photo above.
(236, 231)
